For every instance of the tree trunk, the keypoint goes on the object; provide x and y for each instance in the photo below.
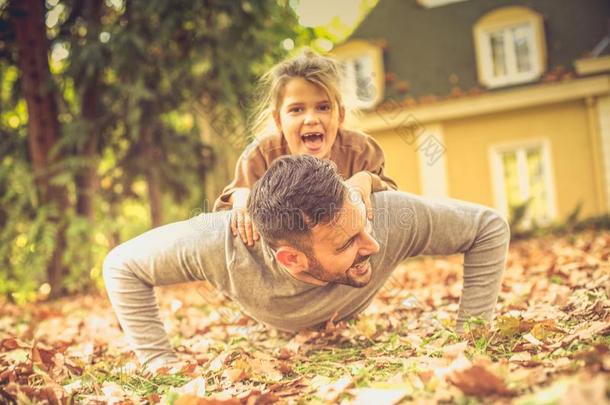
(154, 197)
(152, 156)
(28, 19)
(226, 135)
(86, 179)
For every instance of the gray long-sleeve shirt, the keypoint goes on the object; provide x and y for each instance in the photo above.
(405, 225)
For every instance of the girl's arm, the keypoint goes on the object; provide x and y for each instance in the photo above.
(370, 177)
(372, 161)
(250, 167)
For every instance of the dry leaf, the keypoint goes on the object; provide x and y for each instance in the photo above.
(595, 328)
(234, 374)
(520, 356)
(478, 380)
(377, 396)
(195, 387)
(331, 392)
(454, 350)
(194, 400)
(113, 391)
(531, 339)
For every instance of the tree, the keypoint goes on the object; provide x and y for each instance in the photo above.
(145, 96)
(28, 20)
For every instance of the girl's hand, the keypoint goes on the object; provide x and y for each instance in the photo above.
(241, 223)
(362, 182)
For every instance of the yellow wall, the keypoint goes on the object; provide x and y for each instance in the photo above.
(400, 160)
(468, 142)
(564, 125)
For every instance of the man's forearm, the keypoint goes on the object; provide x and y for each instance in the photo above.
(427, 226)
(484, 265)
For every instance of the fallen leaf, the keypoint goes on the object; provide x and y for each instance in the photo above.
(285, 367)
(11, 344)
(265, 368)
(234, 374)
(113, 392)
(194, 400)
(531, 339)
(520, 356)
(460, 363)
(454, 350)
(508, 326)
(195, 387)
(377, 396)
(256, 397)
(285, 354)
(73, 386)
(219, 361)
(478, 380)
(330, 392)
(595, 328)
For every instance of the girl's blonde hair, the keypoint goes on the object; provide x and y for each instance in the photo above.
(309, 65)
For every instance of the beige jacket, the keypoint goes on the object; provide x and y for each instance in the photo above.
(352, 152)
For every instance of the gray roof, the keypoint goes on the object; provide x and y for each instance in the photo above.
(427, 47)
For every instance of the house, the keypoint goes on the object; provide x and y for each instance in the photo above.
(497, 102)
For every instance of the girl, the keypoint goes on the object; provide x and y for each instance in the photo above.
(302, 96)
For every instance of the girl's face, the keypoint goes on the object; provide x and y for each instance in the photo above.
(307, 118)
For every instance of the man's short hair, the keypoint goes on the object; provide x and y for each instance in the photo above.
(293, 196)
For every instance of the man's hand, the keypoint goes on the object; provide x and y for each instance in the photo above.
(241, 223)
(362, 182)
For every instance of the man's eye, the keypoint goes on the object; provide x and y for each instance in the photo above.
(347, 245)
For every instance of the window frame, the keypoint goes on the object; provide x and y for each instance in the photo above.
(358, 49)
(503, 20)
(437, 3)
(499, 182)
(359, 103)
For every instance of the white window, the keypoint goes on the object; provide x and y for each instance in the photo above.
(509, 55)
(364, 77)
(510, 47)
(522, 174)
(359, 75)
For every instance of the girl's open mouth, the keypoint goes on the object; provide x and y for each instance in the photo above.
(313, 140)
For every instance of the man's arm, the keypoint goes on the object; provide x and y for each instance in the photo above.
(170, 254)
(425, 226)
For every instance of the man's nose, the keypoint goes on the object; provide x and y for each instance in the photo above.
(368, 245)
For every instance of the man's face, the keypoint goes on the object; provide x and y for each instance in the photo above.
(341, 248)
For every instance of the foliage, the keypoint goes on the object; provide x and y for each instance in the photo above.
(135, 78)
(550, 342)
(572, 223)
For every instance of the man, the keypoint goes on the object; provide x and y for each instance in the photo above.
(319, 256)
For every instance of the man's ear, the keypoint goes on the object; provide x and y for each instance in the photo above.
(292, 259)
(297, 264)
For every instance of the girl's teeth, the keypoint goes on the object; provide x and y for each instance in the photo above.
(312, 141)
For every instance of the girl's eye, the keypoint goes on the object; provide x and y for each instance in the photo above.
(325, 107)
(295, 109)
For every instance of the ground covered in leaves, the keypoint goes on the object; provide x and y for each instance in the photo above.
(550, 343)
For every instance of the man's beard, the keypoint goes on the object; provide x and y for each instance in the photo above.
(317, 271)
